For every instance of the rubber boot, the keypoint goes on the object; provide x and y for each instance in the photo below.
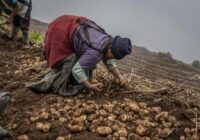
(44, 84)
(13, 33)
(72, 90)
(4, 100)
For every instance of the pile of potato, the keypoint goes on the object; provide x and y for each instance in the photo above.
(35, 64)
(115, 120)
(191, 134)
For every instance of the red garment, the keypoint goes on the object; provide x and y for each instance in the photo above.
(59, 38)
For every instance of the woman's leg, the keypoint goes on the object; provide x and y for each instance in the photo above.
(24, 26)
(15, 28)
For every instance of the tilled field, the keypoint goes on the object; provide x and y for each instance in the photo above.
(144, 110)
(161, 66)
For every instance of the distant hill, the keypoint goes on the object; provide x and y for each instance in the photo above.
(37, 25)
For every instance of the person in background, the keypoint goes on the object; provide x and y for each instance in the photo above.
(19, 12)
(4, 100)
(73, 47)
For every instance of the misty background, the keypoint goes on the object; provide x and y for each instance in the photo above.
(158, 25)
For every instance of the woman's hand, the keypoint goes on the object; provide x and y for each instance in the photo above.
(96, 87)
(119, 79)
(93, 87)
(120, 82)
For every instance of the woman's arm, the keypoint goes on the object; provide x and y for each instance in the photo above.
(112, 67)
(79, 74)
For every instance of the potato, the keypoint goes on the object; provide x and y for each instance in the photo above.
(182, 138)
(104, 130)
(117, 111)
(60, 138)
(95, 123)
(69, 101)
(82, 118)
(146, 138)
(111, 117)
(115, 127)
(142, 130)
(146, 123)
(36, 64)
(193, 130)
(46, 127)
(161, 116)
(62, 120)
(187, 131)
(105, 94)
(195, 137)
(52, 109)
(23, 137)
(43, 127)
(91, 117)
(154, 124)
(56, 115)
(45, 115)
(143, 112)
(68, 137)
(121, 124)
(132, 136)
(13, 126)
(122, 132)
(166, 124)
(94, 81)
(171, 119)
(164, 133)
(116, 135)
(108, 107)
(125, 118)
(89, 109)
(59, 105)
(109, 137)
(37, 58)
(114, 102)
(16, 72)
(142, 105)
(156, 109)
(102, 112)
(75, 128)
(78, 113)
(133, 106)
(39, 125)
(109, 122)
(62, 111)
(122, 138)
(131, 127)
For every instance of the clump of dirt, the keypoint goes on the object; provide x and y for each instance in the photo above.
(142, 110)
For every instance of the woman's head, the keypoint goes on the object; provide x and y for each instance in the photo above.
(119, 48)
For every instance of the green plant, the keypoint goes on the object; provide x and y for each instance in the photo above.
(36, 37)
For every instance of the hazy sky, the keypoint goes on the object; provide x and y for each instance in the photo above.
(158, 25)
